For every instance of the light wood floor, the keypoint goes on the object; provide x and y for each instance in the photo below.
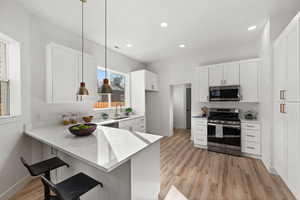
(199, 174)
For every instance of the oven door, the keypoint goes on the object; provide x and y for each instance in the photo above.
(224, 93)
(230, 142)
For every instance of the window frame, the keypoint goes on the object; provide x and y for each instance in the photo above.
(127, 87)
(13, 75)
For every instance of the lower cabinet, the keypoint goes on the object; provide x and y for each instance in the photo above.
(199, 132)
(251, 138)
(136, 124)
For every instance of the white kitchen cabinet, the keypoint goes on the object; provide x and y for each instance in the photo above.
(151, 81)
(293, 147)
(249, 81)
(286, 127)
(203, 84)
(63, 74)
(199, 132)
(231, 74)
(216, 75)
(251, 138)
(224, 74)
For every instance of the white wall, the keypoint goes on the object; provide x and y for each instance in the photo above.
(179, 106)
(15, 22)
(43, 32)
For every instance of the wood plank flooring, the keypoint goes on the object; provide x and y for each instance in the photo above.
(199, 174)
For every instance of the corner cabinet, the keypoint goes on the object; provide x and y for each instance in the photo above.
(63, 74)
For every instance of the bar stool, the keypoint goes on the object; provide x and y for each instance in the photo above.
(44, 168)
(71, 188)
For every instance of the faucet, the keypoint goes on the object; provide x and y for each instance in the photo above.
(116, 111)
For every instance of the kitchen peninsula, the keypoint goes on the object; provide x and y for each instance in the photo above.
(126, 162)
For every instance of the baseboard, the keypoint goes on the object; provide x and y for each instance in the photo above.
(15, 188)
(273, 171)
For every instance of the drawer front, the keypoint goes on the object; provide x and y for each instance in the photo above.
(251, 135)
(200, 122)
(251, 147)
(250, 126)
(200, 140)
(200, 131)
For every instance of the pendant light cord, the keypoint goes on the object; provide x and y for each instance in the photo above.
(82, 39)
(105, 35)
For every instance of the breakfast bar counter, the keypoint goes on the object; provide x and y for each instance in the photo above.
(127, 162)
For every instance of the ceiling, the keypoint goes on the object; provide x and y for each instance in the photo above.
(202, 25)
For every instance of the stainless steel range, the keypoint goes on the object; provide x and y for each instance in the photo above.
(224, 131)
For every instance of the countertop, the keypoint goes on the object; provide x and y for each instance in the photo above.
(106, 149)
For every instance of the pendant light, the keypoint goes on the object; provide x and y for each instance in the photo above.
(82, 89)
(105, 89)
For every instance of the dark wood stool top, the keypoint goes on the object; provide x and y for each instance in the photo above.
(45, 166)
(73, 187)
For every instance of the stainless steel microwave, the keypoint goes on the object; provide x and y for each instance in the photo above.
(224, 93)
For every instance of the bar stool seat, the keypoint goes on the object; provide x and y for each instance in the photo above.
(46, 166)
(73, 187)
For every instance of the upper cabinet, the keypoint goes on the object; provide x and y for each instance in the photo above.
(249, 81)
(243, 73)
(151, 81)
(64, 74)
(203, 83)
(224, 74)
(287, 64)
(216, 75)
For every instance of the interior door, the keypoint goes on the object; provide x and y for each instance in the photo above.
(216, 75)
(232, 74)
(188, 107)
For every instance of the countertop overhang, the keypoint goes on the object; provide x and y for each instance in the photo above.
(106, 149)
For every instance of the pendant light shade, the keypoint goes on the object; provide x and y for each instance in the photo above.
(83, 91)
(105, 89)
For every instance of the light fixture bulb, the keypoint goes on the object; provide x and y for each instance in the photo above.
(251, 28)
(164, 24)
(181, 46)
(129, 45)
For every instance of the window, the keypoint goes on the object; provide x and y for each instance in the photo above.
(10, 77)
(4, 84)
(119, 85)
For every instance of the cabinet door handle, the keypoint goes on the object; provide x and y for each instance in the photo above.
(282, 94)
(283, 108)
(251, 136)
(250, 147)
(207, 98)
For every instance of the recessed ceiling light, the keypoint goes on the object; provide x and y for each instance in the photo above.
(129, 45)
(251, 28)
(164, 24)
(181, 46)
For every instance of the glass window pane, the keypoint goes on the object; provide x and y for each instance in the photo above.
(117, 82)
(3, 62)
(4, 98)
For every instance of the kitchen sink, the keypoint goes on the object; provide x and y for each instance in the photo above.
(121, 117)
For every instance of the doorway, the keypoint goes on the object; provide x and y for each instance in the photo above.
(181, 106)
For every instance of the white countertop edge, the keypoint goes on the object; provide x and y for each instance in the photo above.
(106, 170)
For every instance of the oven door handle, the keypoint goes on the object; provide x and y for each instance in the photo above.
(225, 125)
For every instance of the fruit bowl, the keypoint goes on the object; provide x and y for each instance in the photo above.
(81, 130)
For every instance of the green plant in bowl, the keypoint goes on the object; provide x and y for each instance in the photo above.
(128, 111)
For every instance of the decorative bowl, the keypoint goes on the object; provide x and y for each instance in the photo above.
(81, 130)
